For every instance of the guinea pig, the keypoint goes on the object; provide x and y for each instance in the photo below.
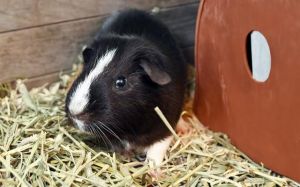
(132, 65)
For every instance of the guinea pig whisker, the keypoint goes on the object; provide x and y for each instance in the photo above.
(118, 128)
(100, 131)
(111, 145)
(98, 137)
(115, 126)
(94, 102)
(109, 130)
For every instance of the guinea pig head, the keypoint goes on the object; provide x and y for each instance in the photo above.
(114, 97)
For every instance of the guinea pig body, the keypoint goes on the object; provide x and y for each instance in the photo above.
(132, 66)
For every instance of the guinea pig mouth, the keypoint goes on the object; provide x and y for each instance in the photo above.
(80, 124)
(79, 120)
(82, 117)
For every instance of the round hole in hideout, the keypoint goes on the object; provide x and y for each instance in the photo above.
(258, 55)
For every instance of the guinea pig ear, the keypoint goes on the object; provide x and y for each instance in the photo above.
(87, 54)
(155, 73)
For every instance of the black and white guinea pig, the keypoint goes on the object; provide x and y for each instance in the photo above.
(132, 65)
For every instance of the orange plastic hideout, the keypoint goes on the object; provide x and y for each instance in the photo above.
(248, 77)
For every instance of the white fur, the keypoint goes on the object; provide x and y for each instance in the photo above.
(157, 151)
(79, 124)
(80, 97)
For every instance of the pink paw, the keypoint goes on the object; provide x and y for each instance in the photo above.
(156, 174)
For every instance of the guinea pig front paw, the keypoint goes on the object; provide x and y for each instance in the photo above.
(157, 151)
(155, 156)
(155, 172)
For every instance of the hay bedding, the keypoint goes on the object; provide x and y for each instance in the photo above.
(39, 148)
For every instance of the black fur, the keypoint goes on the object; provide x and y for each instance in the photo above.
(129, 112)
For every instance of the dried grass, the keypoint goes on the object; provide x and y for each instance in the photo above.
(39, 148)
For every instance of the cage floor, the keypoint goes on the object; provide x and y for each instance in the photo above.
(39, 148)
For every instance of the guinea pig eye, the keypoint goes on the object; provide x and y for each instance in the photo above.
(120, 82)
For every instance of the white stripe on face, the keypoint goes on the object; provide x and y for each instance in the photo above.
(80, 98)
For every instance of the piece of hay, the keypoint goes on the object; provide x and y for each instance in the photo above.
(39, 148)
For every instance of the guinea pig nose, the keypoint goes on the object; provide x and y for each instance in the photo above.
(82, 116)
